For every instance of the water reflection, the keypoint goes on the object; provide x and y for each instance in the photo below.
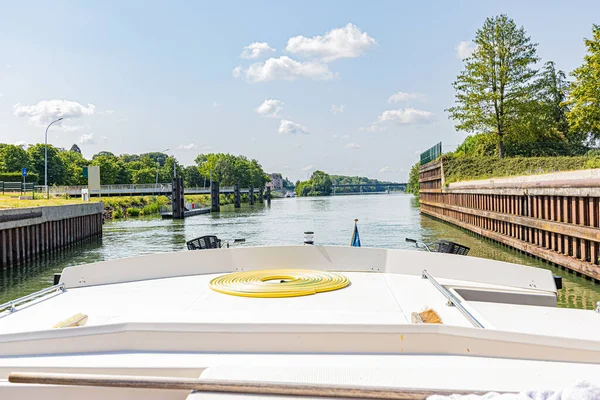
(384, 221)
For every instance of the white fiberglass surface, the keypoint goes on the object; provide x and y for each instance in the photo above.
(371, 298)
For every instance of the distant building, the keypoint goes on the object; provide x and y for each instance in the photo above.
(276, 181)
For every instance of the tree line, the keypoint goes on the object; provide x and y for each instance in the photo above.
(321, 184)
(516, 108)
(65, 167)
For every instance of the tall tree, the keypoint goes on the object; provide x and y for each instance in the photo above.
(13, 158)
(73, 163)
(584, 98)
(56, 166)
(495, 84)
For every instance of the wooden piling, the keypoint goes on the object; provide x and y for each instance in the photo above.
(236, 196)
(251, 196)
(215, 202)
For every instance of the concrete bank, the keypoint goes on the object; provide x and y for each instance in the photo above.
(554, 216)
(28, 233)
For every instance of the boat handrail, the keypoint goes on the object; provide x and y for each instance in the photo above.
(452, 299)
(11, 305)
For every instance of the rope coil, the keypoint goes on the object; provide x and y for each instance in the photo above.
(275, 283)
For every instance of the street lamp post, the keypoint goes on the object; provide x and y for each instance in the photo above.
(46, 157)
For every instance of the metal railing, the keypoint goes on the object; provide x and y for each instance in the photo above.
(16, 187)
(130, 189)
(431, 154)
(11, 306)
(452, 299)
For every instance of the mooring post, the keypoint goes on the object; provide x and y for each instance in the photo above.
(236, 196)
(215, 204)
(251, 196)
(268, 194)
(177, 199)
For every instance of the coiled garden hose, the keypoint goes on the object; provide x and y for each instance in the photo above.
(275, 283)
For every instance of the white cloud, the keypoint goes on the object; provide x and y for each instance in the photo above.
(283, 68)
(190, 146)
(407, 116)
(352, 146)
(385, 169)
(21, 143)
(338, 109)
(404, 96)
(256, 50)
(464, 49)
(308, 168)
(237, 71)
(87, 138)
(290, 127)
(270, 108)
(104, 139)
(46, 111)
(346, 42)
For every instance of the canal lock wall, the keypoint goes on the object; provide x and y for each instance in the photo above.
(29, 233)
(554, 217)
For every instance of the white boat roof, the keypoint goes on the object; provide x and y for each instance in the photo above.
(157, 315)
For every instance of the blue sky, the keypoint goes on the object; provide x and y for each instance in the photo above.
(141, 76)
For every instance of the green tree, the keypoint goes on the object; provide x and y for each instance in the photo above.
(156, 157)
(144, 175)
(111, 169)
(192, 177)
(319, 184)
(165, 174)
(102, 153)
(56, 167)
(495, 84)
(13, 158)
(228, 169)
(413, 186)
(73, 163)
(584, 97)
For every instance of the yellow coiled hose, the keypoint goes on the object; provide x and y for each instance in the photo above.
(278, 283)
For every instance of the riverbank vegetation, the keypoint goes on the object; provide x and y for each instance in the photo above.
(523, 120)
(321, 184)
(515, 109)
(65, 167)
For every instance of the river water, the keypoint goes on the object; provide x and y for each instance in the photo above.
(384, 221)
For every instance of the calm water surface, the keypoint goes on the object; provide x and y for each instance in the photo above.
(384, 221)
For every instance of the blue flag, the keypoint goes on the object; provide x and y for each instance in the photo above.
(355, 237)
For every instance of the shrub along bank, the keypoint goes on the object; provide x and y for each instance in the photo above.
(460, 167)
(133, 206)
(465, 168)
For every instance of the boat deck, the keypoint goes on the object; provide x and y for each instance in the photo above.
(371, 298)
(157, 316)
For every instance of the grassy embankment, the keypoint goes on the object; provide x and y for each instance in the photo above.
(117, 207)
(465, 168)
